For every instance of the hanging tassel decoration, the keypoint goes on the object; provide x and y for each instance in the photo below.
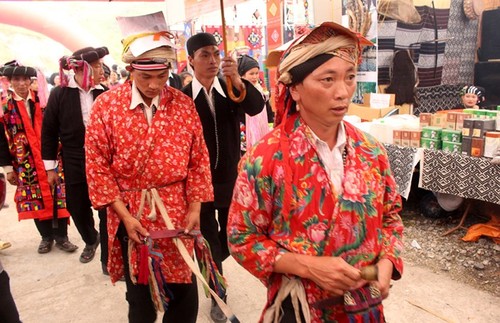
(143, 276)
(165, 295)
(209, 269)
(43, 90)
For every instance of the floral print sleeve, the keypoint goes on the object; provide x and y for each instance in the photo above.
(250, 219)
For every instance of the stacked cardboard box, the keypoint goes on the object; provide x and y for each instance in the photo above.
(368, 112)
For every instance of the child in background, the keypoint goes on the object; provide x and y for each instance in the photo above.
(471, 96)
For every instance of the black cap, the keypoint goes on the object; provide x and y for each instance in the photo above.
(198, 41)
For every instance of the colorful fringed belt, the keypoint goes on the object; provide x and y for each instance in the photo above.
(150, 260)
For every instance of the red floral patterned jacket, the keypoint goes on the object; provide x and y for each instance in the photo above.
(361, 225)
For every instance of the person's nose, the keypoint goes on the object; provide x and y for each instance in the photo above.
(154, 85)
(213, 58)
(341, 91)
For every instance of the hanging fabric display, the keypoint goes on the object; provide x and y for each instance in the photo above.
(252, 36)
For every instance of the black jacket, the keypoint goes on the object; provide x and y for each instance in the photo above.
(63, 121)
(175, 81)
(223, 143)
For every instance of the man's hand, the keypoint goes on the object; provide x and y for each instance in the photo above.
(193, 222)
(333, 274)
(193, 217)
(12, 178)
(229, 68)
(52, 177)
(135, 230)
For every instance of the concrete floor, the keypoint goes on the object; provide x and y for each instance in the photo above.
(56, 287)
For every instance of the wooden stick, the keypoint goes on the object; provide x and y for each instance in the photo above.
(243, 92)
(430, 312)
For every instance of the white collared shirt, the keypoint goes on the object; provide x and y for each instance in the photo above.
(332, 158)
(137, 100)
(86, 98)
(26, 101)
(197, 87)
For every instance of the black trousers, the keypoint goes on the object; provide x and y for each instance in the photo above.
(214, 231)
(80, 208)
(103, 233)
(48, 233)
(182, 308)
(8, 309)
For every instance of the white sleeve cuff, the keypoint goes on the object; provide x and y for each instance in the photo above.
(50, 164)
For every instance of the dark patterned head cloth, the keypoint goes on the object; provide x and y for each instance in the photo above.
(82, 58)
(13, 68)
(477, 90)
(307, 53)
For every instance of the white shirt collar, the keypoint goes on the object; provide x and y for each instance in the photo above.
(72, 83)
(197, 87)
(170, 77)
(16, 97)
(341, 137)
(137, 98)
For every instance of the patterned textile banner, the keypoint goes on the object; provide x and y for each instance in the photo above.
(237, 37)
(289, 20)
(252, 36)
(464, 176)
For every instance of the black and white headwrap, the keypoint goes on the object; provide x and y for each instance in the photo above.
(477, 90)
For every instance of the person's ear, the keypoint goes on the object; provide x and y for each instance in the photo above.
(294, 93)
(190, 61)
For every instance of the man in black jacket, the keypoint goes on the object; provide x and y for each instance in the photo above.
(220, 120)
(64, 121)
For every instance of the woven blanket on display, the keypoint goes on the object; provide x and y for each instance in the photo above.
(458, 65)
(427, 56)
(435, 98)
(464, 176)
(403, 161)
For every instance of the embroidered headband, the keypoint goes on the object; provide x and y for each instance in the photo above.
(308, 52)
